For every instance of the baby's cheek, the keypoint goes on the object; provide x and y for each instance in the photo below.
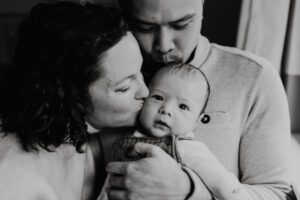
(147, 112)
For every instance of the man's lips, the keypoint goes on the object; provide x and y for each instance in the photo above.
(167, 62)
(168, 59)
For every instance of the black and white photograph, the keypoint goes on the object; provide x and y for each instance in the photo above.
(149, 100)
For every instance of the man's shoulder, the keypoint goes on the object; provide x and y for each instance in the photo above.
(237, 55)
(231, 60)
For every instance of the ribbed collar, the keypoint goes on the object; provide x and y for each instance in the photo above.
(201, 53)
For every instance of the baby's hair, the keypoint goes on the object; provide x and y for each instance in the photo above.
(187, 71)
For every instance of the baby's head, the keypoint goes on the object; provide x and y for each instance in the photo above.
(178, 97)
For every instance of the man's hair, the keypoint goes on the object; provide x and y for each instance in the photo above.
(188, 71)
(46, 94)
(126, 6)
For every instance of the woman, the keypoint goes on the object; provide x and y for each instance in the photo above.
(76, 67)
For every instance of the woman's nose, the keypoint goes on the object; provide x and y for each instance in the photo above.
(143, 91)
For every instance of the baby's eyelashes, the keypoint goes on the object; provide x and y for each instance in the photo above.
(157, 97)
(183, 107)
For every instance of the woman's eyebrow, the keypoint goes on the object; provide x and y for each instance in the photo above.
(125, 78)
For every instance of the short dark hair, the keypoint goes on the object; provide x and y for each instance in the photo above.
(126, 7)
(46, 96)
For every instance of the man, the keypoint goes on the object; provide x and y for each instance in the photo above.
(246, 122)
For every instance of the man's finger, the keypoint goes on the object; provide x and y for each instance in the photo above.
(116, 168)
(116, 181)
(116, 194)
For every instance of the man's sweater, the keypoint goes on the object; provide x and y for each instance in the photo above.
(248, 126)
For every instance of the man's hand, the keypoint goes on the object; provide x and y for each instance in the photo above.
(157, 176)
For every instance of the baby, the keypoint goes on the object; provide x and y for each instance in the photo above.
(177, 99)
(178, 96)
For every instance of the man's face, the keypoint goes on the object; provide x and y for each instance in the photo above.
(166, 30)
(173, 105)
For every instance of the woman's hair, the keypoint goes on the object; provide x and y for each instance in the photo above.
(59, 48)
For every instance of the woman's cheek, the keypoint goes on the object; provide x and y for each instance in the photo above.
(123, 103)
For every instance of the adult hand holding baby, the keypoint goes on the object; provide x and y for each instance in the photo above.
(157, 176)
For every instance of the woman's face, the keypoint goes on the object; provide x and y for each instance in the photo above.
(118, 94)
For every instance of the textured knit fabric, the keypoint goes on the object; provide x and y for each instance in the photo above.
(249, 126)
(125, 145)
(169, 143)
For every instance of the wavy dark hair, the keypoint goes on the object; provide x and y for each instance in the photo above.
(59, 48)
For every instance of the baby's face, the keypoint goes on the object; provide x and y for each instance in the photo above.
(173, 105)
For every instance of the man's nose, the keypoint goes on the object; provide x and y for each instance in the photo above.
(166, 109)
(165, 42)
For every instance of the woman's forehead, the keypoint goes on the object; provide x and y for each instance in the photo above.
(122, 60)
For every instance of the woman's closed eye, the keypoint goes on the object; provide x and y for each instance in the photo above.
(123, 89)
(124, 86)
(183, 106)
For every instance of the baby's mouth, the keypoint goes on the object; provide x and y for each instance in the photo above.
(161, 125)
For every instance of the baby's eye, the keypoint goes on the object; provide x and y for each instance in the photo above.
(157, 97)
(183, 107)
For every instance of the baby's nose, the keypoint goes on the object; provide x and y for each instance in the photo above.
(166, 109)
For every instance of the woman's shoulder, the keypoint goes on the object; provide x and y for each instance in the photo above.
(8, 145)
(11, 150)
(15, 168)
(13, 157)
(48, 172)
